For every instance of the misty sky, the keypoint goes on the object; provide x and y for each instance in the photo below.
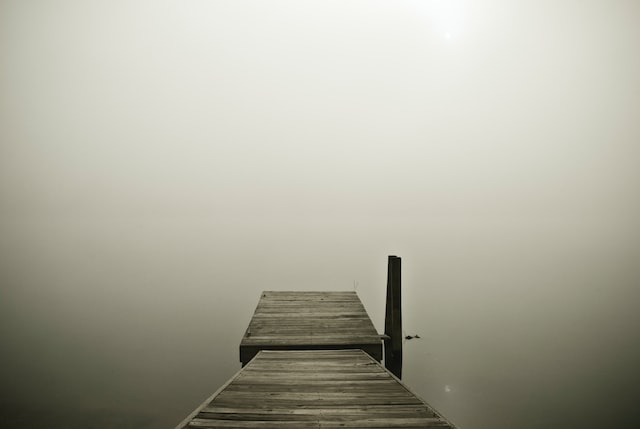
(162, 162)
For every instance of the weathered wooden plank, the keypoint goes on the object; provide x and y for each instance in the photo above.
(311, 423)
(219, 412)
(286, 320)
(305, 389)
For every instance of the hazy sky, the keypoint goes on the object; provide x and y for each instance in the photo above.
(162, 162)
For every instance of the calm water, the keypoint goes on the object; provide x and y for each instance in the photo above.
(132, 323)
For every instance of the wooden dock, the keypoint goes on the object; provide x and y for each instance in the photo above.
(314, 389)
(310, 321)
(312, 360)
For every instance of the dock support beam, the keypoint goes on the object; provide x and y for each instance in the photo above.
(393, 319)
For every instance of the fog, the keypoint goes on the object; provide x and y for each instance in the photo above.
(162, 163)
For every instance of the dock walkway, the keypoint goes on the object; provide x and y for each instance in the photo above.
(312, 360)
(314, 389)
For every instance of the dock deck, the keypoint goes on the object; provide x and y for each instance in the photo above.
(314, 389)
(310, 321)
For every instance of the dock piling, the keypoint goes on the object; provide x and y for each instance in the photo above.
(393, 318)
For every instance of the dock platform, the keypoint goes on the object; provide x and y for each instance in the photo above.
(310, 321)
(314, 389)
(312, 360)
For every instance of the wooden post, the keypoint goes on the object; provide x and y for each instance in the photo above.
(393, 319)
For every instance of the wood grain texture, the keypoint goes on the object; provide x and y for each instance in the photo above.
(309, 321)
(315, 389)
